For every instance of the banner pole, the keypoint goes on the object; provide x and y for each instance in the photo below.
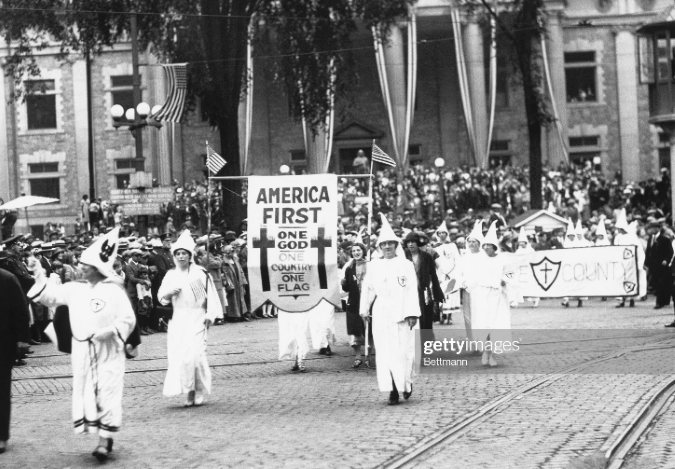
(370, 203)
(208, 211)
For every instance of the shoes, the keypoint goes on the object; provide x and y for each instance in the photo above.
(199, 398)
(301, 367)
(20, 363)
(580, 304)
(406, 394)
(369, 364)
(295, 367)
(484, 359)
(658, 307)
(492, 360)
(535, 304)
(101, 453)
(328, 351)
(150, 331)
(322, 351)
(34, 342)
(190, 401)
(163, 326)
(357, 363)
(393, 398)
(246, 318)
(621, 304)
(672, 324)
(604, 298)
(565, 303)
(110, 445)
(3, 446)
(631, 304)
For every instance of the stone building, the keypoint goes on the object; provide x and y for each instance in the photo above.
(592, 49)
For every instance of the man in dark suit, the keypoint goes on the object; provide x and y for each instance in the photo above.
(662, 257)
(14, 335)
(428, 287)
(161, 261)
(652, 236)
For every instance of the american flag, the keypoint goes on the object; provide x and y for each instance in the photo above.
(381, 157)
(214, 161)
(172, 110)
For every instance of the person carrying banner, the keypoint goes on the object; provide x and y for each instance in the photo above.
(492, 295)
(390, 288)
(447, 271)
(196, 305)
(321, 323)
(631, 239)
(525, 248)
(625, 238)
(101, 320)
(572, 241)
(352, 283)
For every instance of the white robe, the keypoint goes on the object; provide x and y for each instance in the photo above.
(490, 310)
(293, 342)
(187, 334)
(98, 366)
(448, 269)
(392, 285)
(322, 325)
(470, 270)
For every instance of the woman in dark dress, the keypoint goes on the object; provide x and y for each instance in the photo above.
(351, 283)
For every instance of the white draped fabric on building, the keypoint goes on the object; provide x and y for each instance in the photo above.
(319, 140)
(397, 69)
(246, 113)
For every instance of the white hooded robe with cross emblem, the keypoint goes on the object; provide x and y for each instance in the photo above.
(390, 285)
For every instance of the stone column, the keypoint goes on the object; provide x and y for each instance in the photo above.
(626, 71)
(5, 151)
(81, 124)
(473, 51)
(554, 151)
(159, 139)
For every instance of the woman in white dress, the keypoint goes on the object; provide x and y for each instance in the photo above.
(196, 306)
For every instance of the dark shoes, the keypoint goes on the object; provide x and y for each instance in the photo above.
(393, 398)
(406, 395)
(658, 306)
(580, 304)
(3, 446)
(631, 304)
(672, 324)
(322, 351)
(328, 351)
(621, 304)
(101, 453)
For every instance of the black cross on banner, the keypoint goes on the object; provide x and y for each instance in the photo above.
(321, 243)
(264, 243)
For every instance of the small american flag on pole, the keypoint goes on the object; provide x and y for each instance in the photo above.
(381, 157)
(214, 161)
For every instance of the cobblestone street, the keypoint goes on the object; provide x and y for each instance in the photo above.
(262, 415)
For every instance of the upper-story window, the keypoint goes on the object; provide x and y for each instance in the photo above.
(580, 76)
(122, 91)
(40, 104)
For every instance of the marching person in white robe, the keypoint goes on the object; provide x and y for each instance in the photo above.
(293, 340)
(322, 327)
(390, 286)
(491, 296)
(631, 239)
(196, 306)
(524, 247)
(470, 270)
(572, 241)
(101, 320)
(448, 272)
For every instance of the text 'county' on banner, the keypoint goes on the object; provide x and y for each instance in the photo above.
(292, 241)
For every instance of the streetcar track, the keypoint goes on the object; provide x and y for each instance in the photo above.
(413, 455)
(630, 438)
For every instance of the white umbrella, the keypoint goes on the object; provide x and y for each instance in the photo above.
(26, 201)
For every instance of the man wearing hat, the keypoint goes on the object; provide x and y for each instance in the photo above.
(14, 335)
(101, 319)
(428, 288)
(390, 287)
(132, 279)
(161, 260)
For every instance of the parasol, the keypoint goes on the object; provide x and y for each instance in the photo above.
(26, 201)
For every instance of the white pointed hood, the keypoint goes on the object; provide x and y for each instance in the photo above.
(522, 237)
(103, 252)
(621, 220)
(387, 234)
(477, 232)
(491, 236)
(579, 230)
(570, 229)
(442, 228)
(601, 230)
(184, 241)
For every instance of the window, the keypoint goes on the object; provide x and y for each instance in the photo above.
(500, 153)
(43, 167)
(298, 155)
(41, 104)
(585, 149)
(664, 150)
(122, 91)
(580, 72)
(122, 181)
(130, 163)
(415, 154)
(45, 187)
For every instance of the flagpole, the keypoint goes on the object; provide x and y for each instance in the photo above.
(208, 211)
(370, 201)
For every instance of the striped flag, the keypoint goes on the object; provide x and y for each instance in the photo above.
(381, 157)
(172, 110)
(214, 161)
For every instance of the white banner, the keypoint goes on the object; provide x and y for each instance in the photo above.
(292, 241)
(591, 271)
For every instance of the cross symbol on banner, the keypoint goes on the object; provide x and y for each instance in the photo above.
(264, 243)
(321, 243)
(546, 270)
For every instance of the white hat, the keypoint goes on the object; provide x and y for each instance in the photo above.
(477, 232)
(491, 236)
(632, 228)
(621, 221)
(184, 241)
(600, 230)
(442, 228)
(135, 245)
(156, 243)
(102, 253)
(579, 230)
(570, 229)
(386, 233)
(522, 237)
